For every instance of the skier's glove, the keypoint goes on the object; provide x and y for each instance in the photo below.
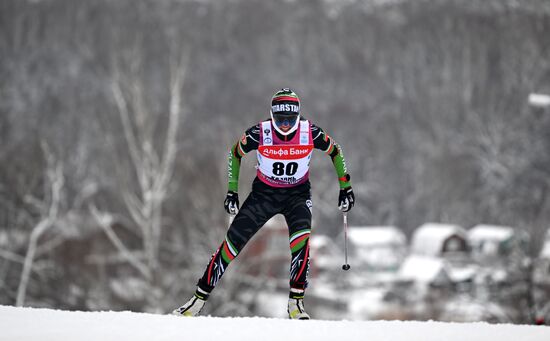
(346, 199)
(231, 203)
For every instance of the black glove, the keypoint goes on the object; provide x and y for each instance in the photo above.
(346, 199)
(231, 203)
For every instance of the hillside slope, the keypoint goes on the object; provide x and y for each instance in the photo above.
(24, 324)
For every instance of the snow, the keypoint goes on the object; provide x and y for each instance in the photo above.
(422, 269)
(466, 309)
(366, 302)
(461, 274)
(25, 324)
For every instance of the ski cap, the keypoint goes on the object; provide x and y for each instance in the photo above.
(285, 111)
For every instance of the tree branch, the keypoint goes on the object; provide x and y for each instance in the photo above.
(105, 220)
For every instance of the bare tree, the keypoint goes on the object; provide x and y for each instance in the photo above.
(152, 169)
(49, 209)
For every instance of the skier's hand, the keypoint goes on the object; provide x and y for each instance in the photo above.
(346, 199)
(231, 203)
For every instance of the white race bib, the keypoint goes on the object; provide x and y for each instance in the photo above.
(284, 164)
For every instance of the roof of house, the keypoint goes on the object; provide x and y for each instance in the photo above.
(376, 235)
(490, 232)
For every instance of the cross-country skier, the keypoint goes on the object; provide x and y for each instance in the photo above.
(284, 147)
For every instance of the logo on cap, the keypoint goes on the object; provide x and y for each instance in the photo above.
(285, 108)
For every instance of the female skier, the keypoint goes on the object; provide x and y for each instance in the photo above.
(284, 145)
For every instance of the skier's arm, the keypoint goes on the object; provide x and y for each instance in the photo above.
(327, 144)
(233, 168)
(346, 198)
(247, 143)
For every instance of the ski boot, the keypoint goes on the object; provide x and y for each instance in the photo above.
(194, 306)
(296, 310)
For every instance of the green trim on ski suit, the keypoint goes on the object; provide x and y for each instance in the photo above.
(340, 165)
(249, 142)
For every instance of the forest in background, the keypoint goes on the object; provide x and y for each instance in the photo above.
(116, 118)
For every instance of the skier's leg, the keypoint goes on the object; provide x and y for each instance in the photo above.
(254, 213)
(298, 217)
(257, 209)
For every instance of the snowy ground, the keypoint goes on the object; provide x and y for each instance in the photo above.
(23, 324)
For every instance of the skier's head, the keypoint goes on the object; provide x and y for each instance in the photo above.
(285, 111)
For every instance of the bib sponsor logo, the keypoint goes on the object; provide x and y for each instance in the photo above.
(267, 136)
(287, 180)
(285, 152)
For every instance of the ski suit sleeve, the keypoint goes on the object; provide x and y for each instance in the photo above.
(247, 143)
(324, 142)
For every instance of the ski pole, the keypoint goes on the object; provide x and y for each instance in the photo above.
(346, 266)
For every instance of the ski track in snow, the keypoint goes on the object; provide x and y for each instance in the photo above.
(24, 324)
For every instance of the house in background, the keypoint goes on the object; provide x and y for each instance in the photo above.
(502, 277)
(375, 253)
(439, 240)
(421, 282)
(425, 271)
(376, 249)
(432, 261)
(450, 243)
(501, 252)
(496, 244)
(438, 267)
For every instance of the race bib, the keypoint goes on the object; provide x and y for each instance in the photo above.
(284, 164)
